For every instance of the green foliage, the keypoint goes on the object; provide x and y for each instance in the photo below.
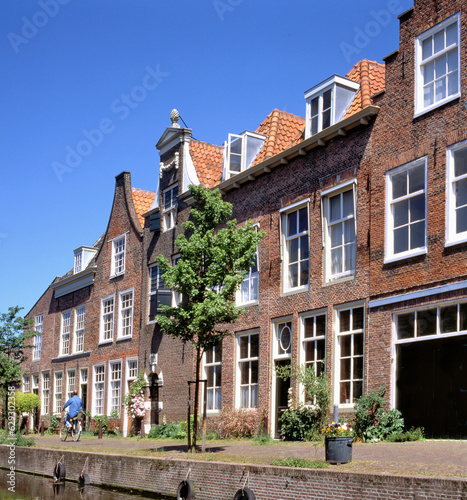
(105, 422)
(115, 414)
(26, 402)
(134, 400)
(14, 333)
(240, 423)
(54, 423)
(19, 440)
(302, 463)
(263, 439)
(413, 434)
(300, 422)
(170, 431)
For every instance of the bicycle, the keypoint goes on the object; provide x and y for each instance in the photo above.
(74, 430)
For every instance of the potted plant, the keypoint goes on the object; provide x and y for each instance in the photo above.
(338, 442)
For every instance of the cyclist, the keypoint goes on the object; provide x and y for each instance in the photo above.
(75, 406)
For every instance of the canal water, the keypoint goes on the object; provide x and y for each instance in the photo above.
(29, 487)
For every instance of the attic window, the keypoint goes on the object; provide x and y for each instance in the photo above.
(240, 152)
(328, 102)
(83, 255)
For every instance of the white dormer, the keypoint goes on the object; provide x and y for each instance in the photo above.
(240, 151)
(328, 102)
(83, 256)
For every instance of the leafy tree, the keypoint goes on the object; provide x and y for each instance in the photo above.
(211, 267)
(26, 402)
(14, 332)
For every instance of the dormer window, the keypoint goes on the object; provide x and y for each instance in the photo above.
(83, 255)
(327, 103)
(240, 152)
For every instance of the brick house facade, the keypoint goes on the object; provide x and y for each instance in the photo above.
(362, 270)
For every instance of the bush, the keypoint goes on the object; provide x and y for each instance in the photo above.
(26, 402)
(54, 423)
(417, 434)
(95, 421)
(300, 424)
(19, 440)
(239, 423)
(161, 431)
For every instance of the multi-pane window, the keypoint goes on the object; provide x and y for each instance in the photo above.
(118, 256)
(213, 374)
(70, 383)
(78, 262)
(115, 392)
(132, 369)
(35, 384)
(406, 211)
(80, 315)
(438, 58)
(340, 233)
(432, 322)
(58, 389)
(320, 111)
(313, 338)
(248, 365)
(169, 211)
(350, 341)
(65, 333)
(45, 392)
(240, 152)
(248, 291)
(125, 326)
(26, 383)
(107, 319)
(283, 339)
(159, 294)
(456, 214)
(99, 381)
(38, 325)
(297, 249)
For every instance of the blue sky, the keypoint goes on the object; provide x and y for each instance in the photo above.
(88, 87)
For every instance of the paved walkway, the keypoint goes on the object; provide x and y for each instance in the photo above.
(428, 458)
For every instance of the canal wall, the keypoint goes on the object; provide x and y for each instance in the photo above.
(220, 481)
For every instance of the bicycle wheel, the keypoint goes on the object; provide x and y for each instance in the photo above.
(63, 431)
(76, 431)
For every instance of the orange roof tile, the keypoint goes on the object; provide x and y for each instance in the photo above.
(207, 159)
(371, 76)
(142, 200)
(282, 130)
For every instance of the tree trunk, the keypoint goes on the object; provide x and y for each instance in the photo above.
(196, 405)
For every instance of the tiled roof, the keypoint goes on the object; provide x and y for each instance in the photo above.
(207, 159)
(142, 200)
(282, 130)
(371, 76)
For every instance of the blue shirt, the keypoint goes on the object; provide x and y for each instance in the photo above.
(75, 406)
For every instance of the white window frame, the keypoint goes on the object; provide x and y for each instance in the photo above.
(390, 256)
(115, 386)
(287, 241)
(98, 387)
(170, 206)
(70, 382)
(228, 173)
(118, 259)
(353, 356)
(80, 319)
(452, 236)
(420, 107)
(107, 318)
(78, 262)
(38, 327)
(65, 333)
(211, 362)
(45, 392)
(26, 383)
(341, 221)
(58, 395)
(313, 340)
(125, 314)
(131, 376)
(156, 291)
(321, 110)
(282, 346)
(251, 386)
(250, 285)
(35, 383)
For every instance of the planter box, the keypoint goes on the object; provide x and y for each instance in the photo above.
(338, 450)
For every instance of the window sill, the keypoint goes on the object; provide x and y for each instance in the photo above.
(104, 342)
(248, 304)
(436, 105)
(340, 279)
(404, 256)
(127, 337)
(452, 243)
(293, 291)
(112, 276)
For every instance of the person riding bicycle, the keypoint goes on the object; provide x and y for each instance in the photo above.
(75, 406)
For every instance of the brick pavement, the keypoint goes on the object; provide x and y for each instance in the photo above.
(429, 458)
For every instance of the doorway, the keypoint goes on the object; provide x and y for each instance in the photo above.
(282, 394)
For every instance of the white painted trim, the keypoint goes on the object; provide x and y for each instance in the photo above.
(294, 205)
(418, 294)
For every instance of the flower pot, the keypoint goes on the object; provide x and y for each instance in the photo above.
(338, 449)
